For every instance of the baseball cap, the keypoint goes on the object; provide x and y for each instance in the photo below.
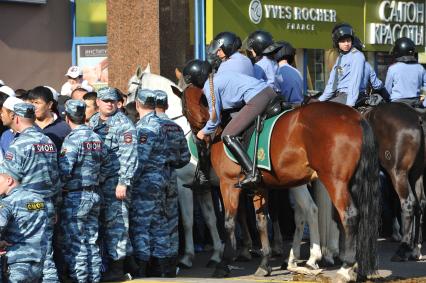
(1, 82)
(108, 93)
(146, 96)
(11, 101)
(75, 108)
(24, 109)
(8, 90)
(161, 98)
(74, 72)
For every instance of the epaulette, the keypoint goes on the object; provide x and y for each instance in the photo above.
(354, 50)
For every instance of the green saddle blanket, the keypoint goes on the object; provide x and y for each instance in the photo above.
(263, 152)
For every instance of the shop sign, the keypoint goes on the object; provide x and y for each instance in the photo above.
(398, 19)
(93, 60)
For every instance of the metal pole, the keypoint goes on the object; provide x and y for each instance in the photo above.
(196, 29)
(202, 47)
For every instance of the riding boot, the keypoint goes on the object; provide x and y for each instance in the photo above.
(236, 148)
(115, 272)
(202, 179)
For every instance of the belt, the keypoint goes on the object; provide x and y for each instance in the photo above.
(82, 189)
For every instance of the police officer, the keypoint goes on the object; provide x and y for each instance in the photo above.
(288, 79)
(223, 54)
(405, 78)
(149, 232)
(178, 150)
(23, 221)
(119, 136)
(233, 92)
(265, 66)
(83, 163)
(32, 159)
(346, 76)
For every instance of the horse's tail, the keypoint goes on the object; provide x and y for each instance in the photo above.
(365, 192)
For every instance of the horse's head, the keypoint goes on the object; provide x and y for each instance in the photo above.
(194, 106)
(136, 80)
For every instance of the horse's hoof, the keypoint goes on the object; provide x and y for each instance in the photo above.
(312, 266)
(221, 272)
(183, 265)
(212, 264)
(263, 271)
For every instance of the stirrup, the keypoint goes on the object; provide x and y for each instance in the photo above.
(249, 182)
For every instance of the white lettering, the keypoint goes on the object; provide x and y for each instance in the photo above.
(297, 12)
(333, 16)
(382, 8)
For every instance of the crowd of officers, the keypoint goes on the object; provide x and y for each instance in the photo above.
(103, 194)
(97, 189)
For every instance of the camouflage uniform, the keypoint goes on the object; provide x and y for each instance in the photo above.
(32, 160)
(178, 149)
(119, 136)
(83, 162)
(23, 222)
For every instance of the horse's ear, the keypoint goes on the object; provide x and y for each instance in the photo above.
(177, 91)
(148, 68)
(139, 72)
(178, 74)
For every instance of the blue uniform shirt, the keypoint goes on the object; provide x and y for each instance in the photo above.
(23, 219)
(232, 91)
(405, 80)
(237, 63)
(349, 77)
(32, 159)
(265, 70)
(289, 80)
(370, 76)
(84, 159)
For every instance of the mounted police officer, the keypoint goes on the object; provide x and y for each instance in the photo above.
(32, 158)
(405, 78)
(224, 56)
(83, 163)
(346, 76)
(246, 96)
(369, 77)
(288, 79)
(119, 136)
(265, 66)
(178, 151)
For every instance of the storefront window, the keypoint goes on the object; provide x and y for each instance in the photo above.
(315, 67)
(90, 18)
(383, 61)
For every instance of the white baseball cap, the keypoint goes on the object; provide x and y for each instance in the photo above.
(8, 90)
(1, 82)
(54, 92)
(74, 72)
(11, 101)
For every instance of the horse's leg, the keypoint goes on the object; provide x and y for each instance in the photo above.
(407, 200)
(306, 207)
(299, 220)
(274, 206)
(186, 209)
(328, 229)
(260, 207)
(230, 197)
(418, 238)
(244, 252)
(206, 203)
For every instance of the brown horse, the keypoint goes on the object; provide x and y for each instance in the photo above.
(400, 137)
(328, 141)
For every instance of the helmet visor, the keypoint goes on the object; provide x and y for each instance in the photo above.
(214, 47)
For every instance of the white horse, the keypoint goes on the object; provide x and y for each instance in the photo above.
(185, 175)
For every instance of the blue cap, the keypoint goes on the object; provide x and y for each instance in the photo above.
(161, 98)
(4, 170)
(108, 93)
(75, 108)
(146, 96)
(24, 109)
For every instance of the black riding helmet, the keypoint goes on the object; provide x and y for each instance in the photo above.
(228, 41)
(196, 72)
(259, 41)
(340, 31)
(404, 50)
(285, 51)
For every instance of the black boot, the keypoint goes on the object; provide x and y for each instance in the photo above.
(142, 268)
(160, 267)
(131, 266)
(171, 272)
(202, 179)
(236, 148)
(115, 272)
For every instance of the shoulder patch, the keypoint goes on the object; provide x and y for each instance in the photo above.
(8, 155)
(92, 146)
(44, 147)
(128, 137)
(32, 206)
(143, 138)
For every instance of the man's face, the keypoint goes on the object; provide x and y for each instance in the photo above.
(7, 117)
(3, 184)
(75, 82)
(107, 107)
(42, 109)
(345, 44)
(91, 109)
